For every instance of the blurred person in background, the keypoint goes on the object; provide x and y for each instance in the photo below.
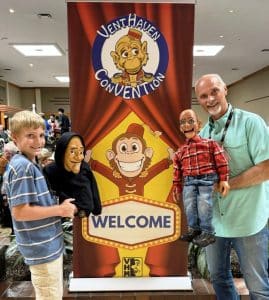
(10, 150)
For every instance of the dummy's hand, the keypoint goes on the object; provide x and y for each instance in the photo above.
(88, 155)
(223, 188)
(176, 195)
(68, 208)
(171, 153)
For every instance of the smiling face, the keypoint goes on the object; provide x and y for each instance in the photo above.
(130, 157)
(30, 141)
(74, 154)
(211, 93)
(189, 124)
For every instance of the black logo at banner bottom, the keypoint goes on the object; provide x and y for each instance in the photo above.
(132, 267)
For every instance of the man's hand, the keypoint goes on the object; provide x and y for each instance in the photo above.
(68, 209)
(223, 188)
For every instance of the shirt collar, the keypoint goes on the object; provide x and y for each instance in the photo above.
(195, 139)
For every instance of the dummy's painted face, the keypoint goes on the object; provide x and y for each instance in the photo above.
(74, 154)
(189, 125)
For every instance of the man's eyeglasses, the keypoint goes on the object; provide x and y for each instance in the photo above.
(189, 121)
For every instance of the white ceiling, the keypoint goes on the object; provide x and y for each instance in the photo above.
(245, 34)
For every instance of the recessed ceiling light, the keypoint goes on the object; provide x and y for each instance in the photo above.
(38, 49)
(64, 79)
(11, 10)
(208, 50)
(31, 65)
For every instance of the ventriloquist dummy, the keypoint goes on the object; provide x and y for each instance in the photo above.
(71, 177)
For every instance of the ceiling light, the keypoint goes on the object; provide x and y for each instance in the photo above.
(206, 50)
(11, 10)
(38, 49)
(64, 79)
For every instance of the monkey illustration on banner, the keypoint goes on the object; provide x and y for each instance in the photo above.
(130, 160)
(129, 57)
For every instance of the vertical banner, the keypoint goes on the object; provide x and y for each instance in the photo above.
(130, 76)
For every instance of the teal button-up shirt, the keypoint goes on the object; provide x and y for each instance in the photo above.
(243, 211)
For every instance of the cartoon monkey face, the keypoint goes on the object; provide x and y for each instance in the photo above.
(130, 156)
(130, 55)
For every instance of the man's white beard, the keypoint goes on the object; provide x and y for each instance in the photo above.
(214, 111)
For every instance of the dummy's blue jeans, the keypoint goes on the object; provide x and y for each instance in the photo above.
(252, 252)
(197, 199)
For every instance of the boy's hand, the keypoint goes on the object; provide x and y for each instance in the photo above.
(68, 208)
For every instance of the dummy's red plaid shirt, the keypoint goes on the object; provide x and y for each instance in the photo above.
(199, 156)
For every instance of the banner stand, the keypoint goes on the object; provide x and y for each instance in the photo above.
(126, 284)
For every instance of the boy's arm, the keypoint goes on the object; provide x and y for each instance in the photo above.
(27, 212)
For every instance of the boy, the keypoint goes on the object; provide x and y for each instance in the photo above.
(201, 163)
(35, 214)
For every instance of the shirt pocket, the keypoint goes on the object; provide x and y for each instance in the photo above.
(239, 157)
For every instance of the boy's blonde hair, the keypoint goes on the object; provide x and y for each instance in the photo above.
(25, 119)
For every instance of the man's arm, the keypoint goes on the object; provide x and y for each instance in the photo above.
(253, 176)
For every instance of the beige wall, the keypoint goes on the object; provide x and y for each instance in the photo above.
(14, 95)
(252, 94)
(54, 98)
(3, 92)
(28, 98)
